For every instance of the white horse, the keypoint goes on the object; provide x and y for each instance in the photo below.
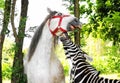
(41, 64)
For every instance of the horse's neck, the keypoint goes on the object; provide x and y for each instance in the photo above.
(44, 48)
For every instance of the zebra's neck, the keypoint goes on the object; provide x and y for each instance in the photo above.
(72, 51)
(82, 71)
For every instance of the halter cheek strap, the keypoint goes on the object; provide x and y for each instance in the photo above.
(58, 29)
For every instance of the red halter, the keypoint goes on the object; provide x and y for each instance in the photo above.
(58, 28)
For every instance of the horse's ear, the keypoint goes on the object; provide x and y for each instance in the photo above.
(49, 10)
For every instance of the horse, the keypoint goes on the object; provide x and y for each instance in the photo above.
(41, 64)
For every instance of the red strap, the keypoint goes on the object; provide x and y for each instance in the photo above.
(60, 16)
(63, 30)
(56, 30)
(59, 25)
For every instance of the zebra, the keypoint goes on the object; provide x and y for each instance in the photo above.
(82, 71)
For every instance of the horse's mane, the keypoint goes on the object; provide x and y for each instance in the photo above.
(37, 35)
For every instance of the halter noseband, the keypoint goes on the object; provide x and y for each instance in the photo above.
(58, 28)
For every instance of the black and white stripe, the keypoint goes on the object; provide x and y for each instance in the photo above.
(82, 71)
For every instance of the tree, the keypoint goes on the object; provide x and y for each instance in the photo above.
(4, 31)
(17, 71)
(74, 9)
(104, 19)
(77, 14)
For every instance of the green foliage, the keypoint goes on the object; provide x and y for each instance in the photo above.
(111, 24)
(113, 58)
(104, 20)
(107, 29)
(6, 70)
(106, 57)
(103, 17)
(1, 4)
(7, 61)
(8, 52)
(109, 63)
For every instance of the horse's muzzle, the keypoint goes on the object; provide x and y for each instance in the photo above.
(75, 23)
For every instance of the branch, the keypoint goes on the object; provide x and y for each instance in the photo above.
(12, 19)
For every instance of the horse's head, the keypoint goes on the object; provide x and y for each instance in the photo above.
(60, 23)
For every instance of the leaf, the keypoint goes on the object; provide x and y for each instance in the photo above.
(1, 4)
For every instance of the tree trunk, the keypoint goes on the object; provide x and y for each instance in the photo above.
(4, 31)
(77, 14)
(18, 70)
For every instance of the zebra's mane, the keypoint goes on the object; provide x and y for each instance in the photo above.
(37, 35)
